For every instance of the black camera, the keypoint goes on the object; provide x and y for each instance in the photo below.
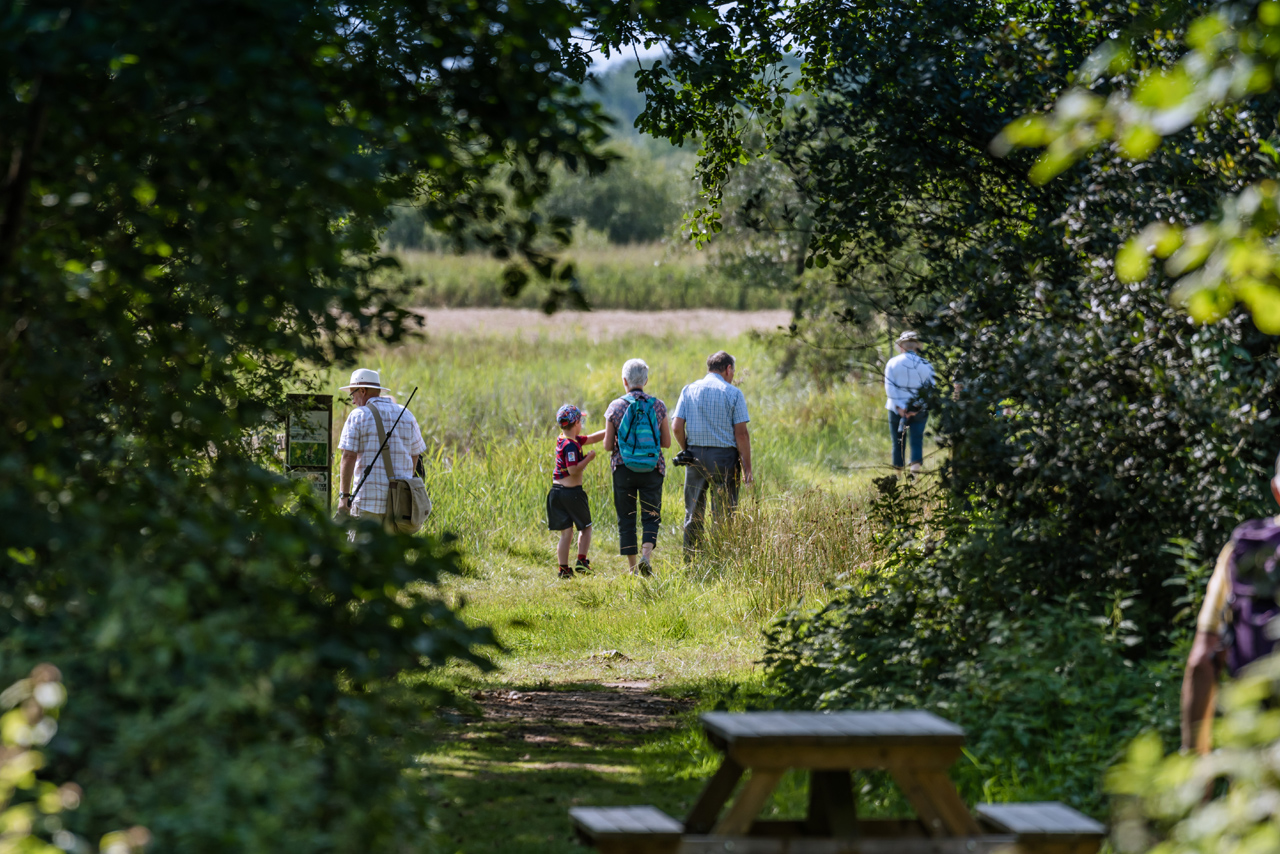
(684, 458)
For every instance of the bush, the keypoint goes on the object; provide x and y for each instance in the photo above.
(1048, 689)
(243, 673)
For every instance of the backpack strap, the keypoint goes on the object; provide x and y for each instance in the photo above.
(382, 441)
(632, 400)
(653, 426)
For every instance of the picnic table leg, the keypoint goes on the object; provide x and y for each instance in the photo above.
(936, 801)
(956, 816)
(713, 798)
(832, 809)
(746, 807)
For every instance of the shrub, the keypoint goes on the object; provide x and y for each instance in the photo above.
(1047, 688)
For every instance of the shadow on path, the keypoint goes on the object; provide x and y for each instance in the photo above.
(504, 782)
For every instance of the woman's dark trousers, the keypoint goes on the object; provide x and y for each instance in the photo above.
(628, 487)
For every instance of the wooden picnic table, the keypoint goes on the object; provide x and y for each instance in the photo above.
(915, 747)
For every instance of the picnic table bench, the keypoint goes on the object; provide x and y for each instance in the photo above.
(916, 748)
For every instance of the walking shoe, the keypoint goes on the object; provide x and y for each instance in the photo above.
(645, 568)
(583, 567)
(566, 572)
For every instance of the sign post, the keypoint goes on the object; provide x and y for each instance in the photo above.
(308, 453)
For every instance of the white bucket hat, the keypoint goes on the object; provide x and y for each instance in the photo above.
(364, 378)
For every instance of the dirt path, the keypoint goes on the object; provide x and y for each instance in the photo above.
(505, 779)
(620, 706)
(596, 325)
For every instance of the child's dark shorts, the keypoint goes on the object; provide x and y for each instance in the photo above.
(567, 507)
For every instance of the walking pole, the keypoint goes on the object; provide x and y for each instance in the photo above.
(902, 439)
(385, 439)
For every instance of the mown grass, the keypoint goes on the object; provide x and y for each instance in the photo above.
(645, 277)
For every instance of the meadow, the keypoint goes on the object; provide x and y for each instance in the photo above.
(641, 277)
(486, 406)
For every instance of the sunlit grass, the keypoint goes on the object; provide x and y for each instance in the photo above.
(486, 406)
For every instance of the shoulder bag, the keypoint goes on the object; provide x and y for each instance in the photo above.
(408, 504)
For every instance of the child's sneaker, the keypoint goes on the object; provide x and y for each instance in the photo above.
(645, 568)
(583, 566)
(566, 572)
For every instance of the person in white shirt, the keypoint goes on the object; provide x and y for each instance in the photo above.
(905, 377)
(360, 443)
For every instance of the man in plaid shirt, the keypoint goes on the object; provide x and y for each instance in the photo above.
(360, 442)
(710, 422)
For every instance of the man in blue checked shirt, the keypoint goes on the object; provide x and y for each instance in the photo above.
(710, 423)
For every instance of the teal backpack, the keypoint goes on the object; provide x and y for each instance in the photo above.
(638, 436)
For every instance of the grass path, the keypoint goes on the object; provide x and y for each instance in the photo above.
(504, 772)
(511, 772)
(598, 691)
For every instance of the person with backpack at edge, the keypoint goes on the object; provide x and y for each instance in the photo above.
(636, 431)
(1231, 630)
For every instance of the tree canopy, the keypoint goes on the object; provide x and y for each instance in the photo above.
(188, 225)
(1099, 445)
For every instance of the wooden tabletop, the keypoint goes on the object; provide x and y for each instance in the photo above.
(828, 729)
(835, 740)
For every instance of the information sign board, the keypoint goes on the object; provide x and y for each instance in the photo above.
(308, 451)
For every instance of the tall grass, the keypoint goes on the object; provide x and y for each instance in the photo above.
(646, 277)
(486, 407)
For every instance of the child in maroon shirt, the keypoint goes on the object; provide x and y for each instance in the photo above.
(567, 505)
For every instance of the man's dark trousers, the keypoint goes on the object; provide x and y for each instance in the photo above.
(628, 487)
(714, 471)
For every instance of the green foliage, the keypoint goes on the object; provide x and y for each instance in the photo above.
(1088, 423)
(187, 227)
(264, 632)
(1233, 56)
(30, 808)
(1047, 691)
(638, 198)
(1162, 804)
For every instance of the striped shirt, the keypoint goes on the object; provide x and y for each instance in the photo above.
(711, 407)
(360, 434)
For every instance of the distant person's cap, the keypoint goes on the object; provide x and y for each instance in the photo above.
(908, 336)
(364, 378)
(568, 415)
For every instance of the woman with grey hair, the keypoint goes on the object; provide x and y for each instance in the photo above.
(636, 431)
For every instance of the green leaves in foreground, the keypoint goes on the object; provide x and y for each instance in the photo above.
(1220, 263)
(1162, 805)
(1234, 56)
(188, 227)
(30, 808)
